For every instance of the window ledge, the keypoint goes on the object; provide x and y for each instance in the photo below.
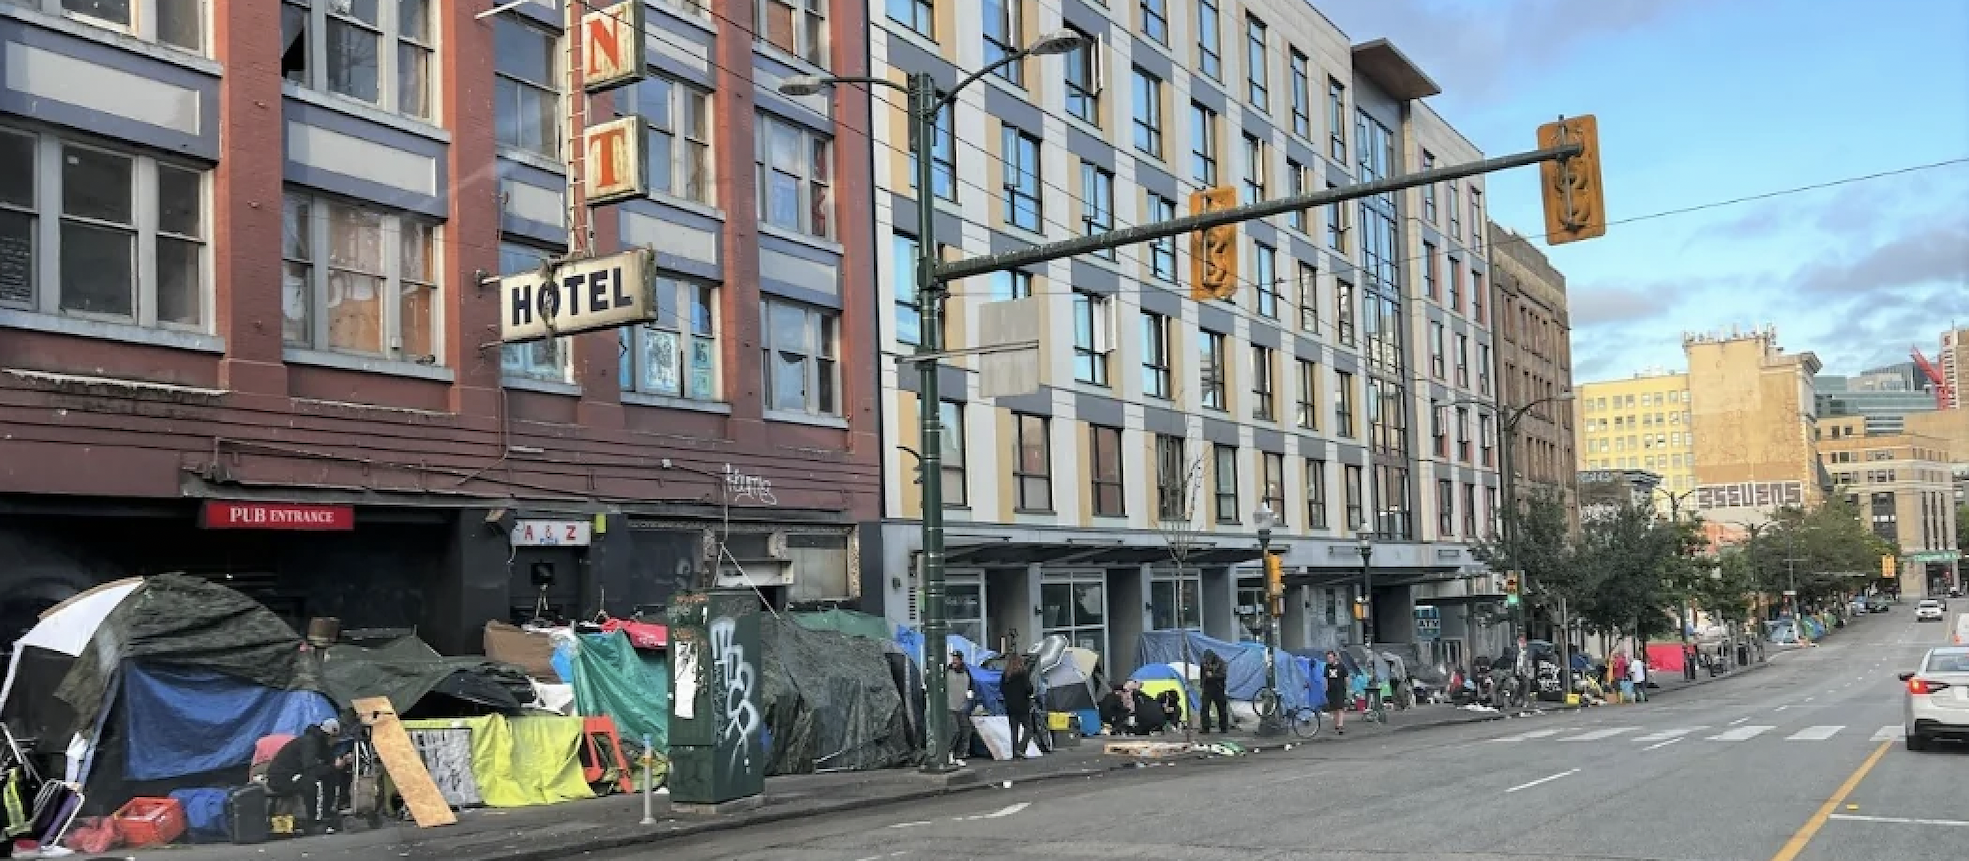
(686, 204)
(700, 19)
(545, 387)
(767, 49)
(364, 110)
(809, 240)
(129, 333)
(811, 419)
(1114, 517)
(898, 30)
(367, 364)
(532, 159)
(117, 38)
(644, 399)
(1024, 235)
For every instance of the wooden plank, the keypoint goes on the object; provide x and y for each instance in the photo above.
(420, 793)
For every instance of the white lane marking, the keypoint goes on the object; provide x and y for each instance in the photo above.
(1671, 733)
(1599, 734)
(1546, 779)
(1814, 733)
(1782, 708)
(910, 824)
(1738, 721)
(1898, 820)
(1000, 814)
(1889, 733)
(1525, 736)
(1810, 698)
(1660, 745)
(1742, 733)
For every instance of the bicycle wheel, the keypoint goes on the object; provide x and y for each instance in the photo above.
(1265, 703)
(1306, 723)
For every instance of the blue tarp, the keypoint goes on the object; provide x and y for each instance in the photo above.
(911, 641)
(180, 721)
(1313, 671)
(1247, 664)
(205, 814)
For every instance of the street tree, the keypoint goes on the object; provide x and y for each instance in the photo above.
(1175, 520)
(1728, 592)
(1541, 549)
(1817, 551)
(1624, 556)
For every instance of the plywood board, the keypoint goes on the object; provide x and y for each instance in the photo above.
(420, 793)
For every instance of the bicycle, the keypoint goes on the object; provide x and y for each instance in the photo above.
(1302, 721)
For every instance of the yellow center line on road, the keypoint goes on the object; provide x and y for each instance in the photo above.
(1811, 827)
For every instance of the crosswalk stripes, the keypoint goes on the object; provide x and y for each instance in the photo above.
(1814, 733)
(1742, 733)
(1601, 734)
(1891, 732)
(1667, 734)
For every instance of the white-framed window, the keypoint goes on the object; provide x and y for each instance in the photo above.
(1255, 180)
(1032, 463)
(798, 27)
(675, 355)
(1155, 21)
(1264, 386)
(548, 359)
(1209, 43)
(177, 23)
(1148, 113)
(1257, 77)
(1084, 79)
(1302, 98)
(796, 176)
(1266, 258)
(526, 86)
(943, 158)
(1162, 252)
(375, 51)
(102, 233)
(1156, 376)
(803, 369)
(359, 280)
(1203, 146)
(1211, 372)
(679, 147)
(1336, 119)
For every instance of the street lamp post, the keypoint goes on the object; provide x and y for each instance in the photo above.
(924, 105)
(1264, 517)
(1365, 544)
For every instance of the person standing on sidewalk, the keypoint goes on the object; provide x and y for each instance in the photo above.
(1637, 672)
(1216, 678)
(1336, 691)
(960, 691)
(1016, 688)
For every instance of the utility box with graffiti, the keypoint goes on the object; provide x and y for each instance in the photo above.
(717, 718)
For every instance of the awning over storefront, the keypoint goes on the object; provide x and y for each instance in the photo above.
(1014, 554)
(1383, 577)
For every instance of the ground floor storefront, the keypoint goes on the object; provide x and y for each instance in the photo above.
(434, 566)
(1009, 587)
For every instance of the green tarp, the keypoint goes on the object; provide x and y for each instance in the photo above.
(847, 622)
(628, 684)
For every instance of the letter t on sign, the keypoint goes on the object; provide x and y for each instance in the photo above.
(616, 168)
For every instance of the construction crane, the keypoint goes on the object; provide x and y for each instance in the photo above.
(1940, 385)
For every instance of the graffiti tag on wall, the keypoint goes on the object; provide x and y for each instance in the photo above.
(743, 487)
(738, 717)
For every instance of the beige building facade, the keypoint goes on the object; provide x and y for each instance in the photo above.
(1753, 413)
(1904, 490)
(1640, 423)
(1534, 363)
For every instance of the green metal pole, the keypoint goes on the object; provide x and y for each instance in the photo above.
(929, 297)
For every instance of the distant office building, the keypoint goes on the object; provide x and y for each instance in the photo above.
(1882, 396)
(1902, 486)
(1641, 423)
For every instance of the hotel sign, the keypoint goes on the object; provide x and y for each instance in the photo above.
(577, 296)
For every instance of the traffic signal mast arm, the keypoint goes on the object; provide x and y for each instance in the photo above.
(970, 266)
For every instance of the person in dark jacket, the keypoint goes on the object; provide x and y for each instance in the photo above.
(307, 768)
(1016, 687)
(1216, 678)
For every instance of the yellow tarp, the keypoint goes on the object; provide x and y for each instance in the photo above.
(524, 761)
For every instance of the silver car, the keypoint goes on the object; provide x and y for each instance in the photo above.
(1938, 697)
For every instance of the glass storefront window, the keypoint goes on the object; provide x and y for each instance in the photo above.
(1078, 610)
(1164, 604)
(964, 606)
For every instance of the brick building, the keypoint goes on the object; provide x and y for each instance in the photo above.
(248, 255)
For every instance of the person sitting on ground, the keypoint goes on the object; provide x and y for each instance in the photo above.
(1172, 708)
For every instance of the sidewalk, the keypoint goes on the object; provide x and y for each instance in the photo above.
(566, 830)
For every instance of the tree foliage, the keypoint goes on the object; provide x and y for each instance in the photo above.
(1819, 552)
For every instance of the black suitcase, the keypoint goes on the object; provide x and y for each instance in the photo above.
(247, 818)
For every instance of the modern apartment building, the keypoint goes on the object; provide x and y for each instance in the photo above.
(1903, 488)
(250, 326)
(1345, 388)
(1642, 423)
(1534, 364)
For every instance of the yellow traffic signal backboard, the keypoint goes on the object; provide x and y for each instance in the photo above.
(1213, 252)
(1889, 567)
(1575, 202)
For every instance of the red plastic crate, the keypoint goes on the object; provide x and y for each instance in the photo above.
(149, 822)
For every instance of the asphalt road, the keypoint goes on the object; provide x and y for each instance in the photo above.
(1801, 761)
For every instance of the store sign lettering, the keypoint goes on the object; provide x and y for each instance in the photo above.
(277, 515)
(553, 533)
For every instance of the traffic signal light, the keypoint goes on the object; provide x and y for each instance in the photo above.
(1575, 202)
(1275, 584)
(1889, 567)
(1360, 609)
(1510, 587)
(1213, 252)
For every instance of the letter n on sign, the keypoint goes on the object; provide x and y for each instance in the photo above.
(612, 46)
(616, 168)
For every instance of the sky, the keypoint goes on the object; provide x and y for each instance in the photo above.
(1701, 102)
